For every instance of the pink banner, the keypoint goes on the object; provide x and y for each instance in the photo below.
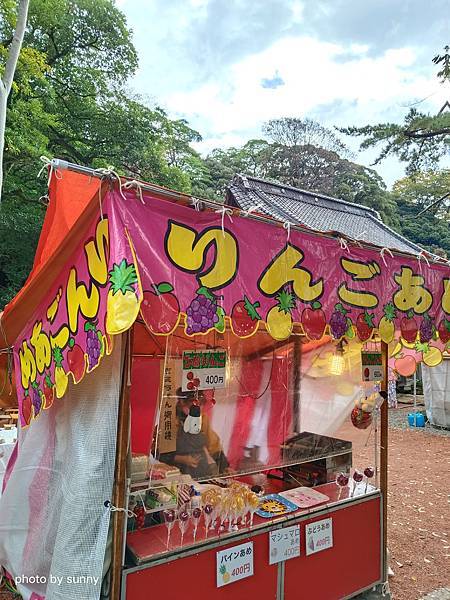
(203, 270)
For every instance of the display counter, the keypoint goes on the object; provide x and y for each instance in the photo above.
(349, 562)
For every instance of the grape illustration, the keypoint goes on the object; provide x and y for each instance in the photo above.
(36, 399)
(426, 329)
(94, 344)
(339, 322)
(202, 312)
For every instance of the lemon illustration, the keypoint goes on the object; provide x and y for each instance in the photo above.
(433, 357)
(279, 320)
(61, 377)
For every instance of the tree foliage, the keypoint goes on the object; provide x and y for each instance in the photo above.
(289, 131)
(292, 158)
(70, 100)
(422, 140)
(412, 195)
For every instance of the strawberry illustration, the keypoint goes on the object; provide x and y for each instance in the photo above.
(160, 309)
(314, 321)
(49, 391)
(444, 330)
(245, 318)
(27, 408)
(408, 327)
(364, 325)
(76, 360)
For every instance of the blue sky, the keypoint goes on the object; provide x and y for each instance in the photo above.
(227, 66)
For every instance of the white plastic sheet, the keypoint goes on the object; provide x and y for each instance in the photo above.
(53, 522)
(436, 390)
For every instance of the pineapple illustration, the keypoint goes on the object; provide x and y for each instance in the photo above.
(123, 304)
(225, 575)
(279, 319)
(386, 326)
(61, 377)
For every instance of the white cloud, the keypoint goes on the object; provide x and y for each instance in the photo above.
(211, 72)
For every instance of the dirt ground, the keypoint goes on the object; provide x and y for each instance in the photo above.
(418, 508)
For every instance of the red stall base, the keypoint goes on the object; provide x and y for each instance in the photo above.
(351, 565)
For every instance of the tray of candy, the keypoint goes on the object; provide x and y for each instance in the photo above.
(274, 505)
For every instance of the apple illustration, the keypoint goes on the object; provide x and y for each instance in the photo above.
(160, 309)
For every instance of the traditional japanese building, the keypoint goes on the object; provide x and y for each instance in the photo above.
(316, 211)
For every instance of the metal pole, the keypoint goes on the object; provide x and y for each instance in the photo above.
(119, 488)
(384, 453)
(165, 192)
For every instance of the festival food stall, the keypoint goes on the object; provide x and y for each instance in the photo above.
(200, 393)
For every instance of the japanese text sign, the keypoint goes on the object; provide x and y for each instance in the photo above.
(284, 544)
(186, 270)
(204, 369)
(234, 563)
(319, 536)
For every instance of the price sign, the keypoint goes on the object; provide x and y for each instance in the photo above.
(284, 544)
(203, 369)
(372, 366)
(319, 536)
(234, 563)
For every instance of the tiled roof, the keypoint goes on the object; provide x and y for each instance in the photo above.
(315, 211)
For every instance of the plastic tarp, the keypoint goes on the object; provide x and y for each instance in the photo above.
(436, 386)
(53, 522)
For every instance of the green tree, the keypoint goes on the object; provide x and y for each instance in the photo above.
(305, 166)
(415, 193)
(69, 100)
(422, 140)
(9, 56)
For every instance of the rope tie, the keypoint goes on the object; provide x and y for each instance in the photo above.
(423, 256)
(252, 209)
(287, 226)
(382, 251)
(343, 244)
(225, 211)
(113, 509)
(196, 203)
(135, 185)
(109, 173)
(49, 163)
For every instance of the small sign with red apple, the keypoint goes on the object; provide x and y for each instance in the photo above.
(372, 366)
(203, 370)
